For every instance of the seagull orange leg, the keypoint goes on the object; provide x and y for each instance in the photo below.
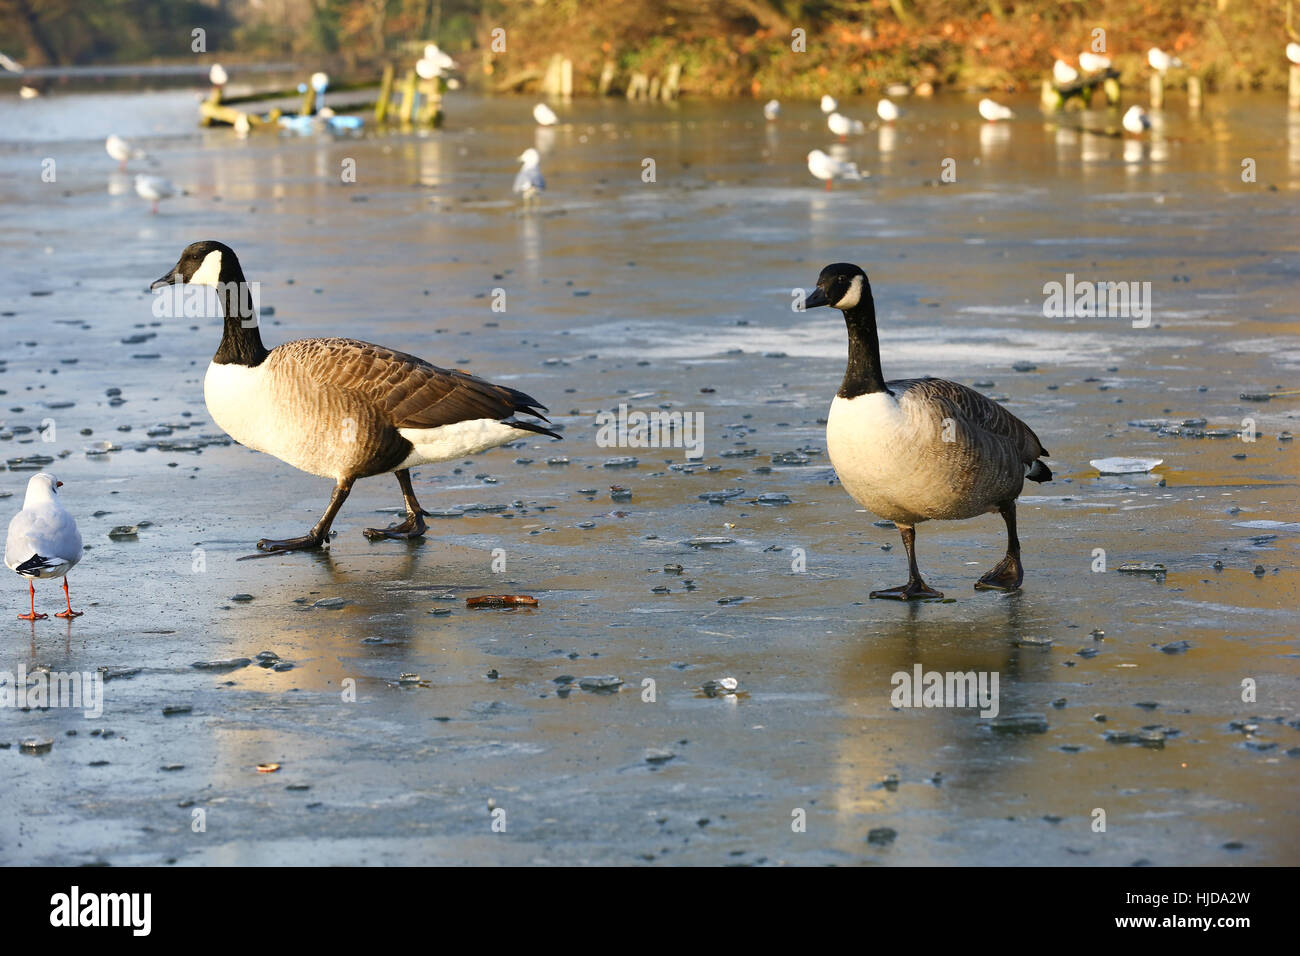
(69, 613)
(33, 616)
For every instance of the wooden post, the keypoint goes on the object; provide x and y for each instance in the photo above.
(566, 78)
(654, 87)
(1293, 88)
(607, 78)
(214, 99)
(636, 85)
(672, 81)
(1194, 93)
(408, 98)
(1157, 91)
(1111, 87)
(551, 82)
(308, 101)
(384, 103)
(1050, 96)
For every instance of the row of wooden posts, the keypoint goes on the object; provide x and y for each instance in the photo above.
(1055, 97)
(557, 81)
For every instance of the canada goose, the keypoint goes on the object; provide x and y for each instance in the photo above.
(917, 449)
(888, 110)
(828, 168)
(771, 110)
(43, 541)
(340, 408)
(528, 181)
(993, 111)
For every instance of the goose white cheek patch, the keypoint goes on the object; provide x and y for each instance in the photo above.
(852, 297)
(209, 273)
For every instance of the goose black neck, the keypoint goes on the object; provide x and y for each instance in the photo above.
(863, 375)
(241, 340)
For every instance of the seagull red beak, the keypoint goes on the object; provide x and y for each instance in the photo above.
(58, 484)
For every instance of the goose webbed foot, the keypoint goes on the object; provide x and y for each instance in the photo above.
(412, 527)
(916, 590)
(1005, 577)
(308, 542)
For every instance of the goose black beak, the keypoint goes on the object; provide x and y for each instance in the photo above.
(168, 279)
(815, 298)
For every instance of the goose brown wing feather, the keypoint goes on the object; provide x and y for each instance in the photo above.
(976, 411)
(411, 392)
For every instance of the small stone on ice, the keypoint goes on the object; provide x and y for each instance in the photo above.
(1020, 724)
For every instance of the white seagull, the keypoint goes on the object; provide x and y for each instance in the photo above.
(1161, 61)
(528, 181)
(217, 75)
(771, 110)
(842, 126)
(994, 111)
(1136, 120)
(888, 111)
(43, 541)
(121, 150)
(1093, 62)
(829, 169)
(1063, 73)
(154, 188)
(544, 115)
(1293, 52)
(829, 105)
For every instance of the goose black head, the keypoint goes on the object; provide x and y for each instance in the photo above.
(841, 285)
(207, 262)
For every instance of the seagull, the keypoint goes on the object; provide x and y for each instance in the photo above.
(1093, 62)
(528, 181)
(1161, 61)
(842, 126)
(434, 63)
(43, 541)
(217, 75)
(11, 65)
(888, 111)
(829, 105)
(544, 115)
(772, 109)
(1063, 73)
(829, 169)
(28, 92)
(121, 150)
(994, 111)
(1136, 120)
(154, 188)
(340, 408)
(1293, 52)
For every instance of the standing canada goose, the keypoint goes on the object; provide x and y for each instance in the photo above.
(340, 408)
(916, 449)
(43, 541)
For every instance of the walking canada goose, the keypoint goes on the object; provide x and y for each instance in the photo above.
(340, 408)
(916, 449)
(43, 541)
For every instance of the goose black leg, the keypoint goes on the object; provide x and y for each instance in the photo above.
(414, 525)
(915, 589)
(317, 536)
(1008, 574)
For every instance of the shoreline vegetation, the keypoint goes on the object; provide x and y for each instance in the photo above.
(723, 48)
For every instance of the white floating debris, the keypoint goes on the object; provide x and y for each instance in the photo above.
(1125, 466)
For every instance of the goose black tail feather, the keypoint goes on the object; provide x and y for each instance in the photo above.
(532, 426)
(1039, 472)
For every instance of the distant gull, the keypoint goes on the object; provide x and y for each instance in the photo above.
(12, 66)
(154, 189)
(888, 111)
(1093, 62)
(772, 109)
(121, 150)
(1063, 73)
(1136, 120)
(43, 541)
(994, 111)
(544, 115)
(528, 181)
(1293, 52)
(1161, 61)
(829, 105)
(217, 75)
(842, 126)
(829, 169)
